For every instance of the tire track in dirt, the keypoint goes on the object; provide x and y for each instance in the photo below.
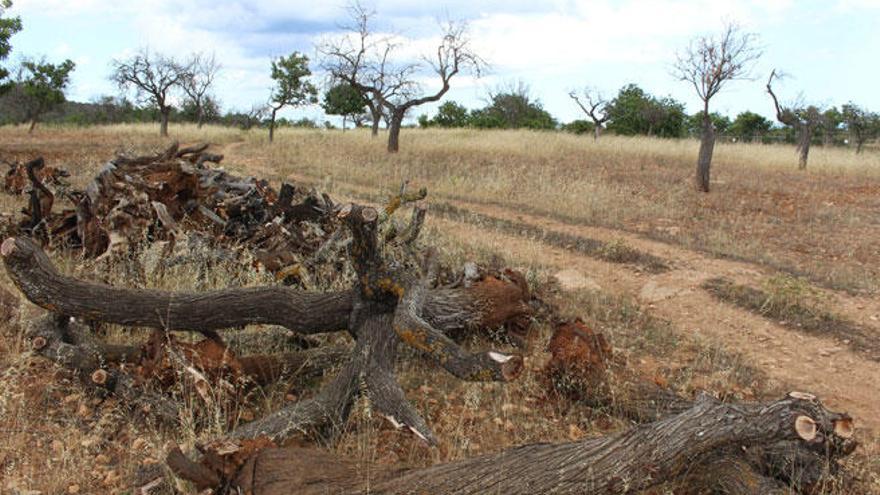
(842, 378)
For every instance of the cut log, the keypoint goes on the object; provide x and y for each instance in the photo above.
(53, 338)
(624, 462)
(579, 372)
(302, 312)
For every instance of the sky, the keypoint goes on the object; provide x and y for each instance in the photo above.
(829, 49)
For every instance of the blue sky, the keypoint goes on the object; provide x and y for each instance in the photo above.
(829, 49)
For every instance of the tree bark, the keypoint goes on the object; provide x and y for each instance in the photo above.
(624, 462)
(200, 116)
(32, 126)
(272, 126)
(303, 312)
(704, 159)
(394, 132)
(805, 136)
(597, 130)
(163, 126)
(731, 474)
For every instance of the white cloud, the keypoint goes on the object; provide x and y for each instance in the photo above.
(553, 46)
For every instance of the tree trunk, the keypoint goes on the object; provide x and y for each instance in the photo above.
(343, 123)
(32, 126)
(200, 116)
(446, 309)
(704, 159)
(163, 126)
(394, 132)
(624, 462)
(272, 126)
(804, 138)
(374, 129)
(597, 130)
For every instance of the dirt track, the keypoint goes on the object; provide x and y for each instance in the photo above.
(844, 379)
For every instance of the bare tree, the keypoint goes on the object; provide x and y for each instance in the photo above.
(199, 79)
(153, 77)
(363, 57)
(804, 119)
(595, 106)
(368, 65)
(708, 63)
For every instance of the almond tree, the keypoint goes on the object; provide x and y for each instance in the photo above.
(803, 118)
(368, 64)
(708, 63)
(199, 79)
(291, 86)
(362, 55)
(595, 106)
(42, 86)
(860, 123)
(153, 77)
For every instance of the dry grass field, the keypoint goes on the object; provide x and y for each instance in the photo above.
(612, 231)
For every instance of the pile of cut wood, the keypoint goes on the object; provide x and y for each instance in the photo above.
(133, 201)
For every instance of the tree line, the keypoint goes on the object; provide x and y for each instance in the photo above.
(368, 80)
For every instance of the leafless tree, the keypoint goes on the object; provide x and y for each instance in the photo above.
(361, 56)
(366, 61)
(153, 77)
(595, 106)
(803, 118)
(199, 79)
(708, 63)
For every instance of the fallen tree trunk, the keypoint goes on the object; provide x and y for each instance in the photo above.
(632, 460)
(299, 311)
(581, 371)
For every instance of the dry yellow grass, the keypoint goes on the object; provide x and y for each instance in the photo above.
(820, 223)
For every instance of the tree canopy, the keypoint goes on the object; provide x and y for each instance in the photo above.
(345, 100)
(42, 86)
(633, 111)
(8, 27)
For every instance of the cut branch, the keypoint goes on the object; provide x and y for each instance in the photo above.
(304, 312)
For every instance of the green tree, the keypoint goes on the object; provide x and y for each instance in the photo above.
(694, 123)
(513, 108)
(8, 27)
(580, 126)
(345, 100)
(860, 123)
(291, 85)
(42, 86)
(750, 126)
(206, 109)
(451, 114)
(832, 120)
(633, 111)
